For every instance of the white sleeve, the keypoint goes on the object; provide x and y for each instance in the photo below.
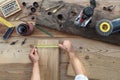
(81, 77)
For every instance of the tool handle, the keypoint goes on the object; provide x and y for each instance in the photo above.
(93, 3)
(5, 22)
(54, 11)
(8, 33)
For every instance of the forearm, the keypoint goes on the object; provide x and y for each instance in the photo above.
(35, 72)
(76, 64)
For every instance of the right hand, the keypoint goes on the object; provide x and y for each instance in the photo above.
(67, 46)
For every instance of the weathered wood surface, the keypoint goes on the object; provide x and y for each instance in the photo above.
(100, 60)
(96, 56)
(23, 70)
(49, 60)
(15, 62)
(51, 21)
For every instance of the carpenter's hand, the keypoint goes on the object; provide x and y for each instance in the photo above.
(34, 55)
(67, 46)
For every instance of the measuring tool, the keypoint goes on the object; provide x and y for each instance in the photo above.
(6, 23)
(9, 7)
(46, 46)
(10, 28)
(106, 27)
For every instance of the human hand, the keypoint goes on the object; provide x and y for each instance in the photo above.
(67, 46)
(34, 55)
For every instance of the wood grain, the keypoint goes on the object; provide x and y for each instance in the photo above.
(15, 62)
(53, 22)
(49, 60)
(100, 60)
(22, 70)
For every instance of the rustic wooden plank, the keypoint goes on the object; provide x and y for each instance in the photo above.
(54, 23)
(15, 71)
(100, 60)
(49, 60)
(15, 63)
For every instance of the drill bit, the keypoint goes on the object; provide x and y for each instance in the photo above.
(14, 42)
(24, 41)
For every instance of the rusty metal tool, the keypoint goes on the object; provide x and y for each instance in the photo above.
(56, 8)
(52, 7)
(109, 8)
(54, 11)
(24, 41)
(14, 42)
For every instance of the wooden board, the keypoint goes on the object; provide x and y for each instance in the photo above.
(49, 60)
(100, 60)
(15, 63)
(53, 22)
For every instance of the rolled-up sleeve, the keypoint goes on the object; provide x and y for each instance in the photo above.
(81, 77)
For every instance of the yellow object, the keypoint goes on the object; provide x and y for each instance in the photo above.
(105, 27)
(46, 46)
(6, 23)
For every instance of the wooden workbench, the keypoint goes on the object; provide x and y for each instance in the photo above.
(81, 45)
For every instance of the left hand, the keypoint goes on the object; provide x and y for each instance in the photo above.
(34, 55)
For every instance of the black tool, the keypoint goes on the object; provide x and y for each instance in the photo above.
(10, 28)
(85, 16)
(24, 41)
(14, 42)
(8, 33)
(106, 27)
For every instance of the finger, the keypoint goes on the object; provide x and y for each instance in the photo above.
(36, 52)
(33, 50)
(61, 42)
(61, 46)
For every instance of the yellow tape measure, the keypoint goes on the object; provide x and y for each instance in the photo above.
(6, 23)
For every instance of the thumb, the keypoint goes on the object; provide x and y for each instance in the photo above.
(36, 53)
(61, 46)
